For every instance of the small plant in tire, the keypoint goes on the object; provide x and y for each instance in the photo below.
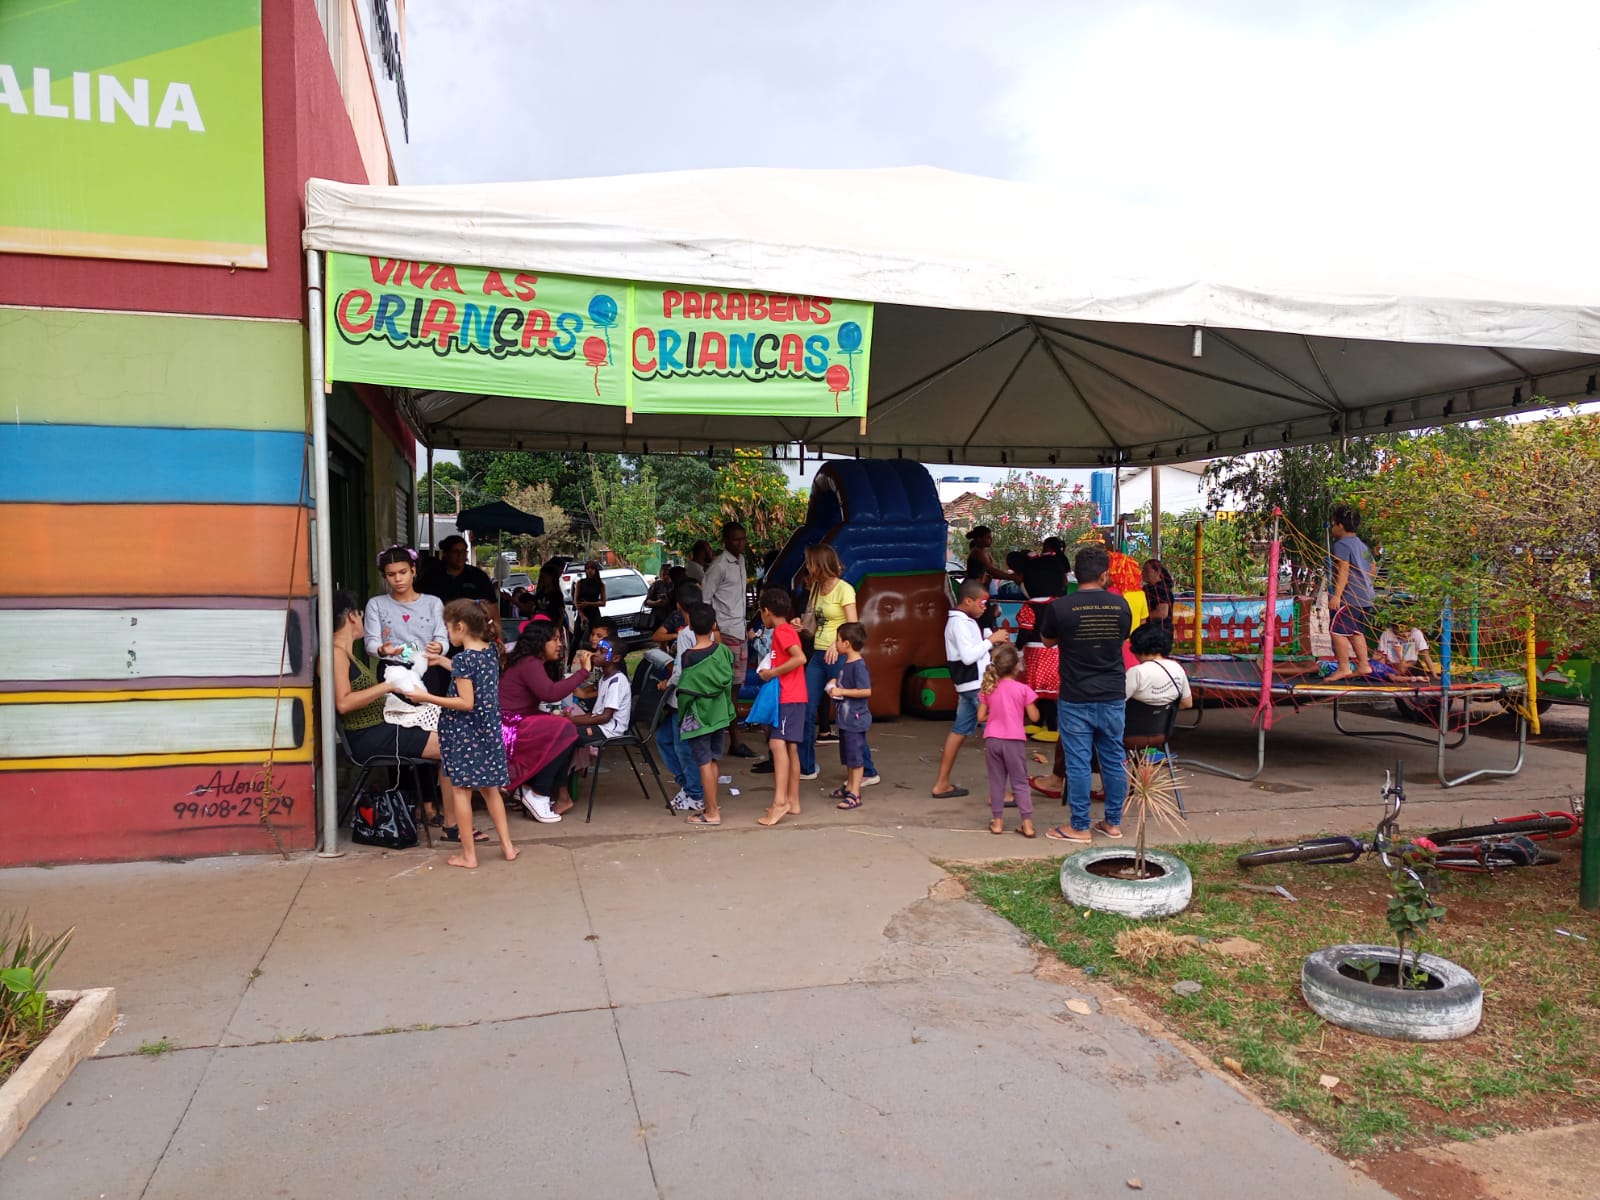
(1411, 911)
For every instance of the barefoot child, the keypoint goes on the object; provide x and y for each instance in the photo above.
(852, 715)
(705, 702)
(1006, 700)
(788, 663)
(470, 745)
(1351, 598)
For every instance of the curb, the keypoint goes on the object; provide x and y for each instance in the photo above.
(93, 1015)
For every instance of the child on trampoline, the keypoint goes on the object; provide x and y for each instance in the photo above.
(1351, 599)
(1403, 648)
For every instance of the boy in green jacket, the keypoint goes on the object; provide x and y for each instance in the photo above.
(705, 705)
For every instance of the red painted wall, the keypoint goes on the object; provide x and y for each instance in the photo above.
(307, 132)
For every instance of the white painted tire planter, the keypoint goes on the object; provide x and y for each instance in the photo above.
(1160, 896)
(1425, 1015)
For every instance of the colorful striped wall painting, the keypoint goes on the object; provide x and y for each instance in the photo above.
(160, 727)
(70, 367)
(140, 550)
(156, 812)
(86, 464)
(153, 489)
(46, 649)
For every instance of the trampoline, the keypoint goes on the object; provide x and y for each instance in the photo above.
(1237, 680)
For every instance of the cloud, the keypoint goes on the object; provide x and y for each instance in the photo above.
(514, 91)
(1459, 123)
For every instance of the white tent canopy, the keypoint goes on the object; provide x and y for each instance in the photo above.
(1013, 325)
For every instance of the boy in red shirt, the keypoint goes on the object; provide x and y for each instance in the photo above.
(788, 663)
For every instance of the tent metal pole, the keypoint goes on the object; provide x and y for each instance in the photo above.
(1155, 512)
(433, 545)
(327, 733)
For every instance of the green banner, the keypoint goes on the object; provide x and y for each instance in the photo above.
(132, 130)
(650, 348)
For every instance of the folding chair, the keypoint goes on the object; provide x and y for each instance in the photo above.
(1149, 727)
(405, 768)
(648, 705)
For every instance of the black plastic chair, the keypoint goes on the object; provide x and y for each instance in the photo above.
(406, 768)
(648, 705)
(1149, 727)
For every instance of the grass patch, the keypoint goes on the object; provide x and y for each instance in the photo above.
(157, 1048)
(1532, 1062)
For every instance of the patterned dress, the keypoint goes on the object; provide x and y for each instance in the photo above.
(470, 744)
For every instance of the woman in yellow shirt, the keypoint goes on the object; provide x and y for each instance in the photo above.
(834, 602)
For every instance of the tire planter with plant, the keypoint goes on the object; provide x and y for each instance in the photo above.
(1095, 879)
(1450, 1005)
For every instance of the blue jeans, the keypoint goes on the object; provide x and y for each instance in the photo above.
(818, 675)
(1097, 729)
(675, 755)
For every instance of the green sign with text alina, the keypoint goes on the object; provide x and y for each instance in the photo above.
(646, 347)
(132, 130)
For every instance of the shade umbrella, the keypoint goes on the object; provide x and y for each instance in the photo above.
(497, 518)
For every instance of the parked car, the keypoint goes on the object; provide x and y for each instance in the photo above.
(625, 593)
(515, 580)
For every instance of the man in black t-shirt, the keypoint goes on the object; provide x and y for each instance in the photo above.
(1090, 627)
(456, 578)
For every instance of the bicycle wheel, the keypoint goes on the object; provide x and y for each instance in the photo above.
(1318, 850)
(1537, 827)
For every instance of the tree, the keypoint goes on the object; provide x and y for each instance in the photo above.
(1501, 518)
(624, 506)
(452, 489)
(754, 492)
(557, 535)
(1305, 482)
(687, 498)
(1025, 508)
(569, 475)
(1233, 559)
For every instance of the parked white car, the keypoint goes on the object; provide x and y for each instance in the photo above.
(625, 593)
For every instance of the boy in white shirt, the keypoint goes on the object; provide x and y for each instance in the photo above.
(1157, 680)
(613, 705)
(966, 649)
(1405, 650)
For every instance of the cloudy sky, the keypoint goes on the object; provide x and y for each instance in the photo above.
(1471, 116)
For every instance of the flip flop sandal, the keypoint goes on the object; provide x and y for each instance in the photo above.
(1040, 784)
(1062, 834)
(701, 819)
(851, 800)
(952, 794)
(1102, 827)
(452, 833)
(998, 826)
(1027, 833)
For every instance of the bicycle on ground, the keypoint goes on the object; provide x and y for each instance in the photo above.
(1501, 844)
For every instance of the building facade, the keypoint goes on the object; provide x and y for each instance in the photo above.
(156, 626)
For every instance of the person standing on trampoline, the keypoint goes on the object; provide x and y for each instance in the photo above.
(1351, 599)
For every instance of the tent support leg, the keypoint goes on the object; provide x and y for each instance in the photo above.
(327, 734)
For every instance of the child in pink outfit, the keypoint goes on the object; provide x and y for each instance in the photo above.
(1006, 701)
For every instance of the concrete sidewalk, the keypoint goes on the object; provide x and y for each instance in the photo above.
(635, 1009)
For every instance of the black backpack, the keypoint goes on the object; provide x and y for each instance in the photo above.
(383, 819)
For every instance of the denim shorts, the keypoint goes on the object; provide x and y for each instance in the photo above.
(707, 748)
(967, 712)
(1349, 621)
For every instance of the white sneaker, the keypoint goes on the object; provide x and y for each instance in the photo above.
(871, 780)
(538, 805)
(685, 803)
(808, 775)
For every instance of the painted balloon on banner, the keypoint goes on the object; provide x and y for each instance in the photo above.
(850, 343)
(596, 354)
(603, 312)
(838, 379)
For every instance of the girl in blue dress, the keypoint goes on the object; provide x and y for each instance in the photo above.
(470, 745)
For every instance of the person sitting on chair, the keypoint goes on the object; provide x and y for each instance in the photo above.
(1157, 680)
